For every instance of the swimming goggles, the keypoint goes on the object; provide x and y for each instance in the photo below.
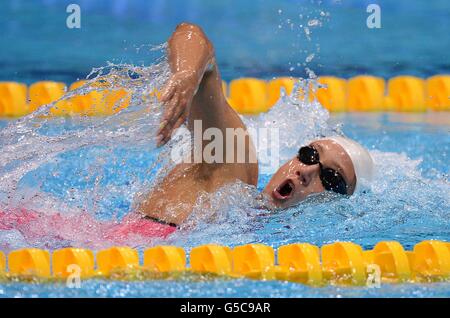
(331, 179)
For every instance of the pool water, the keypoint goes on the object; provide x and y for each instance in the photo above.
(260, 38)
(238, 288)
(409, 203)
(88, 171)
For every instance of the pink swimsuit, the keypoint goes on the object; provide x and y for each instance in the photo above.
(83, 227)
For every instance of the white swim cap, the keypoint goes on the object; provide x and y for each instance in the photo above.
(361, 159)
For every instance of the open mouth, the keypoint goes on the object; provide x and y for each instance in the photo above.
(284, 191)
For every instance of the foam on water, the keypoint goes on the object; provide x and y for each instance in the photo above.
(76, 179)
(79, 154)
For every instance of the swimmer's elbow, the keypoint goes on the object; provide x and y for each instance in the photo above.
(191, 27)
(187, 26)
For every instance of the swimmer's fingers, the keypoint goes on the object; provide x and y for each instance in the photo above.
(168, 91)
(178, 117)
(179, 106)
(179, 114)
(170, 116)
(176, 125)
(176, 100)
(163, 135)
(168, 113)
(171, 107)
(166, 132)
(179, 122)
(167, 98)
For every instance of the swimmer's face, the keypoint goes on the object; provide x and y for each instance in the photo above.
(294, 181)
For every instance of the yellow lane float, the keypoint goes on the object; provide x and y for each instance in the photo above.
(2, 262)
(116, 258)
(211, 258)
(255, 261)
(45, 92)
(101, 102)
(274, 88)
(431, 261)
(339, 263)
(392, 260)
(365, 93)
(29, 262)
(300, 263)
(407, 94)
(13, 99)
(246, 95)
(165, 259)
(70, 106)
(73, 261)
(343, 263)
(249, 95)
(438, 93)
(334, 96)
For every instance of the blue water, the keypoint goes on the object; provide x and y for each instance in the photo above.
(412, 206)
(238, 288)
(262, 38)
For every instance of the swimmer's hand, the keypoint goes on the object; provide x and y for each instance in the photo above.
(177, 97)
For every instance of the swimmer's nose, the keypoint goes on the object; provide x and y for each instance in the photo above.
(307, 173)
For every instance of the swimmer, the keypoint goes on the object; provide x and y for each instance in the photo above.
(194, 92)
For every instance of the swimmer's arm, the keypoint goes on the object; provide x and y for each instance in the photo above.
(190, 53)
